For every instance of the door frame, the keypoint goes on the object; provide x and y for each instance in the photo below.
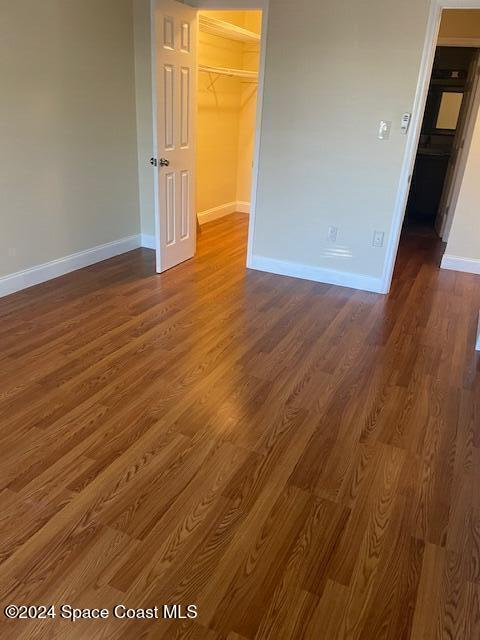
(259, 5)
(413, 137)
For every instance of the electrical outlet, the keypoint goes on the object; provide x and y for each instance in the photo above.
(12, 252)
(332, 234)
(378, 238)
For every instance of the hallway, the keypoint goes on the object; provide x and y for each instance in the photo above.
(298, 460)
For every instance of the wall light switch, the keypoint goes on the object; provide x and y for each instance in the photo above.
(405, 123)
(378, 238)
(384, 130)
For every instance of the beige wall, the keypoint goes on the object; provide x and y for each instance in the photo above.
(248, 112)
(218, 119)
(464, 240)
(143, 94)
(69, 147)
(246, 142)
(333, 71)
(68, 162)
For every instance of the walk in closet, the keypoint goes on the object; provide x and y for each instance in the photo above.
(228, 63)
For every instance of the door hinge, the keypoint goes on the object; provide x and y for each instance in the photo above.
(154, 162)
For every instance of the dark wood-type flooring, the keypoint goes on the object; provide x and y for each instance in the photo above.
(299, 460)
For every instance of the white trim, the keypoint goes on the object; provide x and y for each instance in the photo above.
(147, 241)
(222, 210)
(459, 42)
(426, 66)
(156, 187)
(258, 134)
(217, 212)
(59, 267)
(317, 274)
(457, 263)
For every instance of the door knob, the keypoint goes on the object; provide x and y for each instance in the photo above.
(163, 162)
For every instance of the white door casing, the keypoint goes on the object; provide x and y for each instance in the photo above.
(174, 43)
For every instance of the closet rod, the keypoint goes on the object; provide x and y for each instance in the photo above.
(232, 73)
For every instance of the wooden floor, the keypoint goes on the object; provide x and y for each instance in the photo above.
(298, 460)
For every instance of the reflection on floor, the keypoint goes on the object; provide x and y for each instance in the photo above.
(298, 460)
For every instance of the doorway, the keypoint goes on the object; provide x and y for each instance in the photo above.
(208, 68)
(444, 122)
(451, 24)
(228, 68)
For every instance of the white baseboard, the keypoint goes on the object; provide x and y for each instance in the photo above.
(317, 274)
(55, 268)
(456, 263)
(223, 210)
(217, 212)
(148, 242)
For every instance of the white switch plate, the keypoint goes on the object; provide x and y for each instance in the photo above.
(378, 238)
(405, 123)
(332, 234)
(384, 129)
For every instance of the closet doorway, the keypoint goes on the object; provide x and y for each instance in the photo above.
(208, 80)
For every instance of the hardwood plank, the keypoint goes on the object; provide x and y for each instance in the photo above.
(427, 606)
(299, 460)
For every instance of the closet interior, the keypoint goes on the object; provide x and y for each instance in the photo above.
(228, 64)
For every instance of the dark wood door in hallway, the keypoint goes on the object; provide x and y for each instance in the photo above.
(298, 460)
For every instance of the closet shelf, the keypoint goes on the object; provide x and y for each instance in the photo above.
(217, 27)
(232, 73)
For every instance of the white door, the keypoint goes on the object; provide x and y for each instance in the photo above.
(175, 74)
